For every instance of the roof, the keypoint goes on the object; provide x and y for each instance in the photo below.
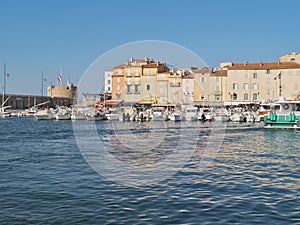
(120, 66)
(221, 73)
(263, 66)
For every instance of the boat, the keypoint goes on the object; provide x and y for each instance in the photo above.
(78, 113)
(112, 114)
(221, 118)
(157, 113)
(95, 116)
(191, 113)
(265, 108)
(175, 116)
(46, 114)
(287, 117)
(63, 113)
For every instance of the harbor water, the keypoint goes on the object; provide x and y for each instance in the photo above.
(251, 177)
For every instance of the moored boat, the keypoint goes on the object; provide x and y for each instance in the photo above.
(287, 117)
(46, 114)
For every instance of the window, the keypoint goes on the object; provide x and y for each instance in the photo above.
(268, 71)
(255, 86)
(108, 88)
(161, 90)
(234, 86)
(118, 80)
(128, 81)
(254, 75)
(234, 96)
(118, 88)
(255, 97)
(246, 75)
(128, 72)
(148, 87)
(128, 88)
(108, 81)
(137, 89)
(246, 97)
(136, 72)
(118, 96)
(246, 86)
(203, 79)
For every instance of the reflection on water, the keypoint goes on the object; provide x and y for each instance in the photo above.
(253, 178)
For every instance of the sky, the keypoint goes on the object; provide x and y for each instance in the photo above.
(69, 35)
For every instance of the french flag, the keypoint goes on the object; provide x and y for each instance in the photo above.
(277, 77)
(59, 78)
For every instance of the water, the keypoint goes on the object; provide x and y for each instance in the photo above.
(254, 178)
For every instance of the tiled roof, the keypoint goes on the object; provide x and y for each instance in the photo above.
(120, 66)
(263, 66)
(151, 65)
(222, 73)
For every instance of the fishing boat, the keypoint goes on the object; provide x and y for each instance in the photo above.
(287, 117)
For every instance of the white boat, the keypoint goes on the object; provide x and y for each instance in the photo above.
(157, 113)
(221, 118)
(63, 113)
(237, 117)
(46, 114)
(175, 116)
(112, 114)
(191, 113)
(95, 116)
(78, 113)
(205, 114)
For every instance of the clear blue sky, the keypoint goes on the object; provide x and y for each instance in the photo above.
(46, 35)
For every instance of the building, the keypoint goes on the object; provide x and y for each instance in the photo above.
(255, 82)
(62, 91)
(108, 82)
(118, 82)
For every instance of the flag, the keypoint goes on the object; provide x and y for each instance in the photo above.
(59, 78)
(278, 76)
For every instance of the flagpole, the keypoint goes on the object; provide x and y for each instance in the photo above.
(279, 76)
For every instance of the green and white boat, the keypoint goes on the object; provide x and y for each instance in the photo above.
(287, 117)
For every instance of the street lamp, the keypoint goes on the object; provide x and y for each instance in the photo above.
(43, 80)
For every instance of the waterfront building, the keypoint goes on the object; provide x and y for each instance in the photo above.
(202, 87)
(255, 82)
(118, 84)
(145, 81)
(108, 82)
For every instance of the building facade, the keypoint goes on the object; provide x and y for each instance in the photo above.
(145, 81)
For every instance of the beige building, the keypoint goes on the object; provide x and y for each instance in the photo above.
(255, 82)
(63, 91)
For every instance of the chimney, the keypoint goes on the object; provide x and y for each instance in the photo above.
(261, 64)
(278, 63)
